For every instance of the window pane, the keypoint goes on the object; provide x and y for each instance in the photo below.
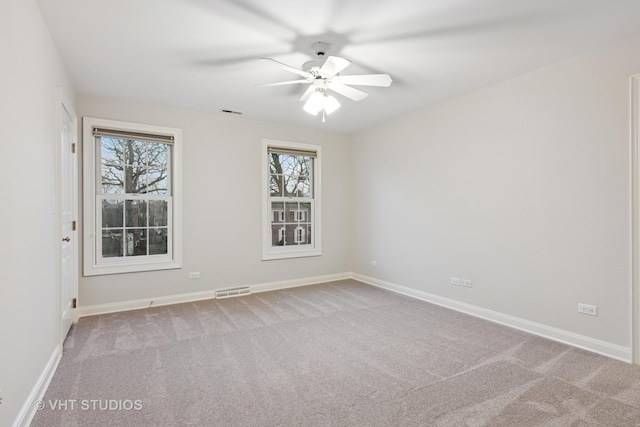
(278, 235)
(111, 150)
(275, 163)
(136, 242)
(136, 213)
(290, 211)
(157, 182)
(135, 179)
(158, 155)
(111, 243)
(277, 212)
(302, 187)
(135, 152)
(275, 185)
(158, 213)
(158, 241)
(305, 209)
(296, 186)
(111, 162)
(112, 213)
(112, 179)
(297, 232)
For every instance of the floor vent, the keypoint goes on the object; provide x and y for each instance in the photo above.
(233, 292)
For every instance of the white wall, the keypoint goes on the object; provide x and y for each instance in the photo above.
(222, 204)
(30, 70)
(523, 187)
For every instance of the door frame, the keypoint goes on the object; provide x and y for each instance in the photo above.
(64, 104)
(634, 151)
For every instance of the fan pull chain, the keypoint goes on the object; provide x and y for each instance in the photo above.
(323, 117)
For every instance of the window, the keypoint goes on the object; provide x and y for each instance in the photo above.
(132, 200)
(291, 200)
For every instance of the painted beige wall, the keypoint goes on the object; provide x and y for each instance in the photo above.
(222, 204)
(30, 70)
(523, 187)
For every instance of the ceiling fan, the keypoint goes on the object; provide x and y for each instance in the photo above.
(323, 76)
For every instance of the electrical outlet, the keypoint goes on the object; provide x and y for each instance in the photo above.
(194, 275)
(591, 310)
(454, 281)
(374, 263)
(466, 282)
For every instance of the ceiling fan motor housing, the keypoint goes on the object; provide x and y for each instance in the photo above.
(320, 48)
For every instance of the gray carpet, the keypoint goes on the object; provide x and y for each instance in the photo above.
(336, 354)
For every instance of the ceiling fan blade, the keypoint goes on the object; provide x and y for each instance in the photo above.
(288, 68)
(290, 82)
(333, 65)
(307, 94)
(349, 92)
(383, 80)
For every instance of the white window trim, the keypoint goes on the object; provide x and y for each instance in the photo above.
(270, 252)
(133, 264)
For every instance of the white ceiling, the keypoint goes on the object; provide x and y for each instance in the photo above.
(202, 54)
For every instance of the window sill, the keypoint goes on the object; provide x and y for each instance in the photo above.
(104, 269)
(291, 254)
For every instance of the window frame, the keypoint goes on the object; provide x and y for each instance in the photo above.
(270, 252)
(93, 265)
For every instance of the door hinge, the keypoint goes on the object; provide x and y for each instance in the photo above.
(73, 147)
(74, 225)
(74, 303)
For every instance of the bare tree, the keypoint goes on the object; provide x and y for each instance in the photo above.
(290, 175)
(130, 166)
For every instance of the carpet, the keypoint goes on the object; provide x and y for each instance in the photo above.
(334, 354)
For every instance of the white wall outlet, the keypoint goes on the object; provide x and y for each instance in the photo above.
(467, 283)
(591, 310)
(454, 281)
(194, 275)
(374, 263)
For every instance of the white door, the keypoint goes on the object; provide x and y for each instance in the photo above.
(68, 289)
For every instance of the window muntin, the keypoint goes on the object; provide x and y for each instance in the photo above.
(292, 172)
(132, 197)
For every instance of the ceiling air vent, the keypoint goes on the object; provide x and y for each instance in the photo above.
(233, 292)
(222, 110)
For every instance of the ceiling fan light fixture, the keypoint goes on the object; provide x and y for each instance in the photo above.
(320, 101)
(331, 104)
(315, 103)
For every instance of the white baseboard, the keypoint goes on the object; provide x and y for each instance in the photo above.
(264, 287)
(28, 410)
(602, 347)
(115, 307)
